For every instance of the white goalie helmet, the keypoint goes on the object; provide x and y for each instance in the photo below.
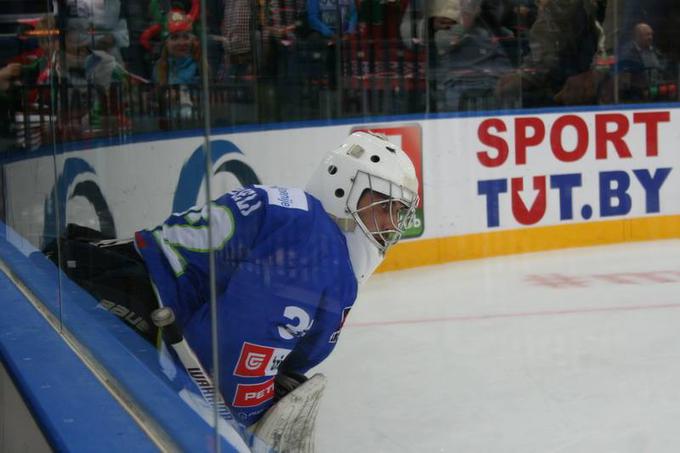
(367, 162)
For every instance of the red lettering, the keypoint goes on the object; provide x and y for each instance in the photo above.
(616, 136)
(494, 141)
(651, 121)
(250, 395)
(519, 210)
(523, 140)
(581, 138)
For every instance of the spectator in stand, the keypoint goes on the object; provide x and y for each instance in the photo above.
(519, 17)
(421, 21)
(137, 60)
(179, 63)
(329, 21)
(470, 60)
(95, 35)
(40, 72)
(41, 66)
(238, 35)
(641, 65)
(332, 18)
(178, 67)
(8, 74)
(563, 43)
(496, 17)
(213, 28)
(525, 12)
(284, 26)
(571, 52)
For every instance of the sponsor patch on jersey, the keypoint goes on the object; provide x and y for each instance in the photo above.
(287, 198)
(257, 361)
(336, 334)
(251, 395)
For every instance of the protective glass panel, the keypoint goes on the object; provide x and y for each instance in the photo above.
(31, 202)
(168, 154)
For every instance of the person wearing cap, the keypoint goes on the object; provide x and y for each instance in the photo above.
(177, 70)
(470, 59)
(179, 61)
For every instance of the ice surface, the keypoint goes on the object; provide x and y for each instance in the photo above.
(567, 351)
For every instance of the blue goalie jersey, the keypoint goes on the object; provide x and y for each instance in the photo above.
(284, 286)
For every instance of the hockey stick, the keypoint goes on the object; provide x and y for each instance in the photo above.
(164, 318)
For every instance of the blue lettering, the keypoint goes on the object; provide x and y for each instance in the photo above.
(618, 193)
(284, 198)
(565, 184)
(652, 186)
(492, 188)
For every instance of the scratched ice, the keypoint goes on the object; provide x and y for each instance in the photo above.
(567, 351)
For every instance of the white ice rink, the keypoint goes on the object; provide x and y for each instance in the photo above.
(566, 351)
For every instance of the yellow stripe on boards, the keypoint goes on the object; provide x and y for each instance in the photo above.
(508, 242)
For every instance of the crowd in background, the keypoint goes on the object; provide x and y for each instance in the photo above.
(92, 67)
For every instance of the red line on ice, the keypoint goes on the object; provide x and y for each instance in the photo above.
(527, 314)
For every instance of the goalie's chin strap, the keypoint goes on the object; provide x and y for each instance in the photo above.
(288, 426)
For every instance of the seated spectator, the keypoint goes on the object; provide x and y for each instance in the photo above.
(470, 60)
(641, 65)
(563, 42)
(431, 16)
(525, 12)
(421, 21)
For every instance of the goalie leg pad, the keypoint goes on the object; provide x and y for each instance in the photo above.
(288, 426)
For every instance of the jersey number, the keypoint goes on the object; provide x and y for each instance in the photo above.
(194, 237)
(302, 323)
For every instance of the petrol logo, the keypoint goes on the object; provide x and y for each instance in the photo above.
(251, 395)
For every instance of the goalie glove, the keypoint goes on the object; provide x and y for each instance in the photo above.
(288, 426)
(285, 383)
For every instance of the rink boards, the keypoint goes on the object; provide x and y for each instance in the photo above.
(490, 185)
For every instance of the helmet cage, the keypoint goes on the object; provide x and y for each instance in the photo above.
(400, 203)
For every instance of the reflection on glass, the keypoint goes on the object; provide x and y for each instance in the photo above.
(118, 167)
(120, 69)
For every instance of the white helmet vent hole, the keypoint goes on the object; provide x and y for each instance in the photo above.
(375, 158)
(339, 193)
(332, 170)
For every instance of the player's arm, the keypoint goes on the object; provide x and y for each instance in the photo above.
(177, 252)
